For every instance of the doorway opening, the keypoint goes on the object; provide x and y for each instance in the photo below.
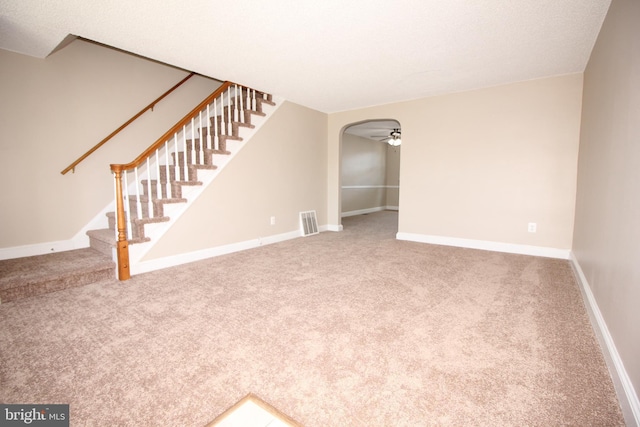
(370, 168)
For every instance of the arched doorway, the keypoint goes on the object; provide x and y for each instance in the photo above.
(370, 167)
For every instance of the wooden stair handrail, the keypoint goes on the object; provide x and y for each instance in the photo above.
(193, 113)
(73, 165)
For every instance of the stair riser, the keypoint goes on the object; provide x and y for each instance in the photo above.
(137, 231)
(195, 156)
(111, 219)
(175, 189)
(157, 208)
(191, 174)
(103, 247)
(224, 128)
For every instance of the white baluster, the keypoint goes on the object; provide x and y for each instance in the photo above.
(158, 185)
(115, 197)
(176, 160)
(209, 146)
(253, 100)
(193, 141)
(137, 195)
(223, 115)
(236, 114)
(248, 101)
(228, 111)
(242, 117)
(166, 170)
(216, 142)
(127, 207)
(184, 156)
(149, 193)
(201, 139)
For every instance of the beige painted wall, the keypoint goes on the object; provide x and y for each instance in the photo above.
(393, 176)
(482, 164)
(53, 110)
(364, 161)
(607, 224)
(280, 172)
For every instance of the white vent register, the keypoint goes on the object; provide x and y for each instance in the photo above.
(308, 223)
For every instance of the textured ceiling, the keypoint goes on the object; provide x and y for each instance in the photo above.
(330, 55)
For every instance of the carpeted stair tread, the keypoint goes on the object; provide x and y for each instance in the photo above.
(104, 234)
(139, 240)
(152, 220)
(41, 274)
(192, 183)
(171, 200)
(145, 199)
(204, 167)
(246, 125)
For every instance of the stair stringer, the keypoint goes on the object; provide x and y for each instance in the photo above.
(155, 231)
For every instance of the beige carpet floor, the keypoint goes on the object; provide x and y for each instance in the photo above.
(338, 329)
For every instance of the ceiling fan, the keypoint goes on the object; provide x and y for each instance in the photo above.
(394, 138)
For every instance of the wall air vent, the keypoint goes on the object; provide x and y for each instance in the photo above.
(308, 223)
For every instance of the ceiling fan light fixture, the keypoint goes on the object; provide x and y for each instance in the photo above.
(394, 142)
(394, 138)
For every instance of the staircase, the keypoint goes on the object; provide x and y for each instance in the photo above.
(168, 177)
(177, 169)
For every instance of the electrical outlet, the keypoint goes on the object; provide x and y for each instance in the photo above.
(533, 227)
(273, 220)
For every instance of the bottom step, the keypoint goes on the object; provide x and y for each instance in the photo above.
(41, 274)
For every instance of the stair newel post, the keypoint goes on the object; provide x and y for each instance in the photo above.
(122, 244)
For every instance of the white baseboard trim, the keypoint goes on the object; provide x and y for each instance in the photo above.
(626, 393)
(362, 211)
(366, 187)
(368, 211)
(332, 227)
(174, 260)
(486, 245)
(38, 249)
